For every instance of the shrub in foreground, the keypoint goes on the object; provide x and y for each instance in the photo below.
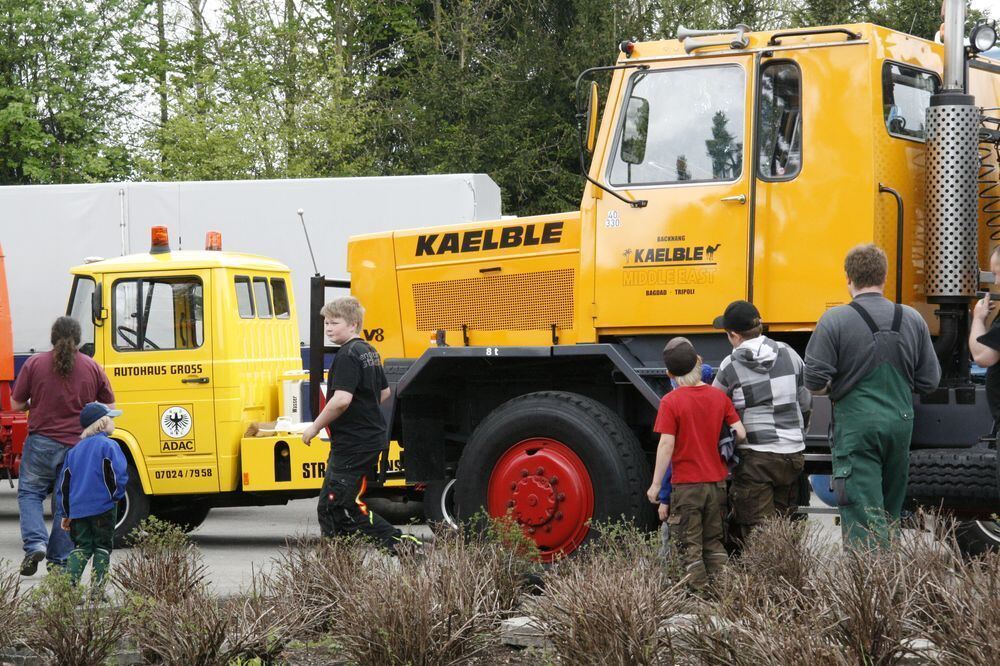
(72, 627)
(163, 564)
(612, 602)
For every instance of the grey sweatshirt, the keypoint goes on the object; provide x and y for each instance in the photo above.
(842, 350)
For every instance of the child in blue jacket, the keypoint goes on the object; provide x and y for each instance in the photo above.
(91, 484)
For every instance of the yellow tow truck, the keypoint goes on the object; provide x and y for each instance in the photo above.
(199, 346)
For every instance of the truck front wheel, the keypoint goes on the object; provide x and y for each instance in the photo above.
(132, 510)
(554, 462)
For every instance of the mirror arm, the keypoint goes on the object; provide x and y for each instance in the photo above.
(580, 117)
(636, 203)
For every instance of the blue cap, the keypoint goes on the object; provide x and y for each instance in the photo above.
(94, 411)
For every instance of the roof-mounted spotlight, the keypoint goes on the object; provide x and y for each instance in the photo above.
(983, 37)
(627, 47)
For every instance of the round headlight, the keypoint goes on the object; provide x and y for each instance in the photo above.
(983, 37)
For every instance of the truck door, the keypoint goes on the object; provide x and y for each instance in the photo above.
(681, 143)
(816, 185)
(159, 358)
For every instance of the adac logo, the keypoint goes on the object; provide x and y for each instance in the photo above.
(480, 240)
(688, 255)
(175, 422)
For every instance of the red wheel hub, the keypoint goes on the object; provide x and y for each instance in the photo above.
(545, 487)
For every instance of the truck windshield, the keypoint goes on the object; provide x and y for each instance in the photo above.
(681, 126)
(81, 301)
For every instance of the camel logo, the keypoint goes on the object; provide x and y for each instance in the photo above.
(175, 422)
(710, 251)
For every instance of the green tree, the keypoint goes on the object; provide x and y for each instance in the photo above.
(60, 102)
(723, 149)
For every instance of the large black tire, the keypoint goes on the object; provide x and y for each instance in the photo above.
(600, 440)
(978, 537)
(187, 516)
(398, 511)
(132, 510)
(954, 478)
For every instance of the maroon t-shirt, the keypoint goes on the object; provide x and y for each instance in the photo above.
(56, 402)
(694, 415)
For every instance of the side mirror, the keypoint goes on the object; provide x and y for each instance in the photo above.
(592, 105)
(97, 311)
(633, 150)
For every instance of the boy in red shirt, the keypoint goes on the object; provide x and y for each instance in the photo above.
(689, 421)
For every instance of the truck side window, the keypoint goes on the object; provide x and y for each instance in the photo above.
(158, 314)
(81, 309)
(280, 293)
(681, 125)
(244, 297)
(780, 125)
(906, 94)
(262, 296)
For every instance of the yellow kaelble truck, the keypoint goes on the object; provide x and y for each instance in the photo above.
(526, 353)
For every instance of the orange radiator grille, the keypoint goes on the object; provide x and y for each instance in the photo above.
(519, 302)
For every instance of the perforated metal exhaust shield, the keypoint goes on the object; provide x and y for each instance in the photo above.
(952, 167)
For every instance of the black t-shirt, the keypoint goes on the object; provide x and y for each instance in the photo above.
(992, 340)
(357, 369)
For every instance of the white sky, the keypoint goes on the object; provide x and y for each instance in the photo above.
(992, 6)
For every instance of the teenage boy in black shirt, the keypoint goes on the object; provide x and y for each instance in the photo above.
(356, 386)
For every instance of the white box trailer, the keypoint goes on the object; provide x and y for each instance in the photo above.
(45, 229)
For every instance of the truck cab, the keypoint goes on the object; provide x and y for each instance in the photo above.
(196, 345)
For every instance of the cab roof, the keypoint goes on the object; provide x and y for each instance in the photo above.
(182, 260)
(719, 44)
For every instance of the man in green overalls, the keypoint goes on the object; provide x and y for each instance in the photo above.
(870, 356)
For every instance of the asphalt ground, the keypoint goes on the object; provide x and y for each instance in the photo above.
(237, 542)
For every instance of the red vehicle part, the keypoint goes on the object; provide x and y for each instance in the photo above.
(545, 487)
(13, 425)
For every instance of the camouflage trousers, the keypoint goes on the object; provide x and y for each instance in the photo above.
(765, 485)
(697, 512)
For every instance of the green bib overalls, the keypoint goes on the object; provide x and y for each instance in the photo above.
(873, 424)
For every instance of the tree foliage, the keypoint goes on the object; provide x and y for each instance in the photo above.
(95, 90)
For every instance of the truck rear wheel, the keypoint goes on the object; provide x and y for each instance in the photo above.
(954, 478)
(186, 516)
(978, 537)
(554, 462)
(397, 510)
(439, 503)
(132, 509)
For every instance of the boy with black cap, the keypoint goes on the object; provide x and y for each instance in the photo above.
(91, 484)
(689, 421)
(766, 382)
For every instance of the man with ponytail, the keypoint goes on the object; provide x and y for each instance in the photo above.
(55, 386)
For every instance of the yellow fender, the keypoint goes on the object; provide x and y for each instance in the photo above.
(128, 442)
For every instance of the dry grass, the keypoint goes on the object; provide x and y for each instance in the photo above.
(162, 564)
(12, 619)
(611, 603)
(191, 630)
(790, 599)
(263, 622)
(311, 576)
(438, 607)
(71, 628)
